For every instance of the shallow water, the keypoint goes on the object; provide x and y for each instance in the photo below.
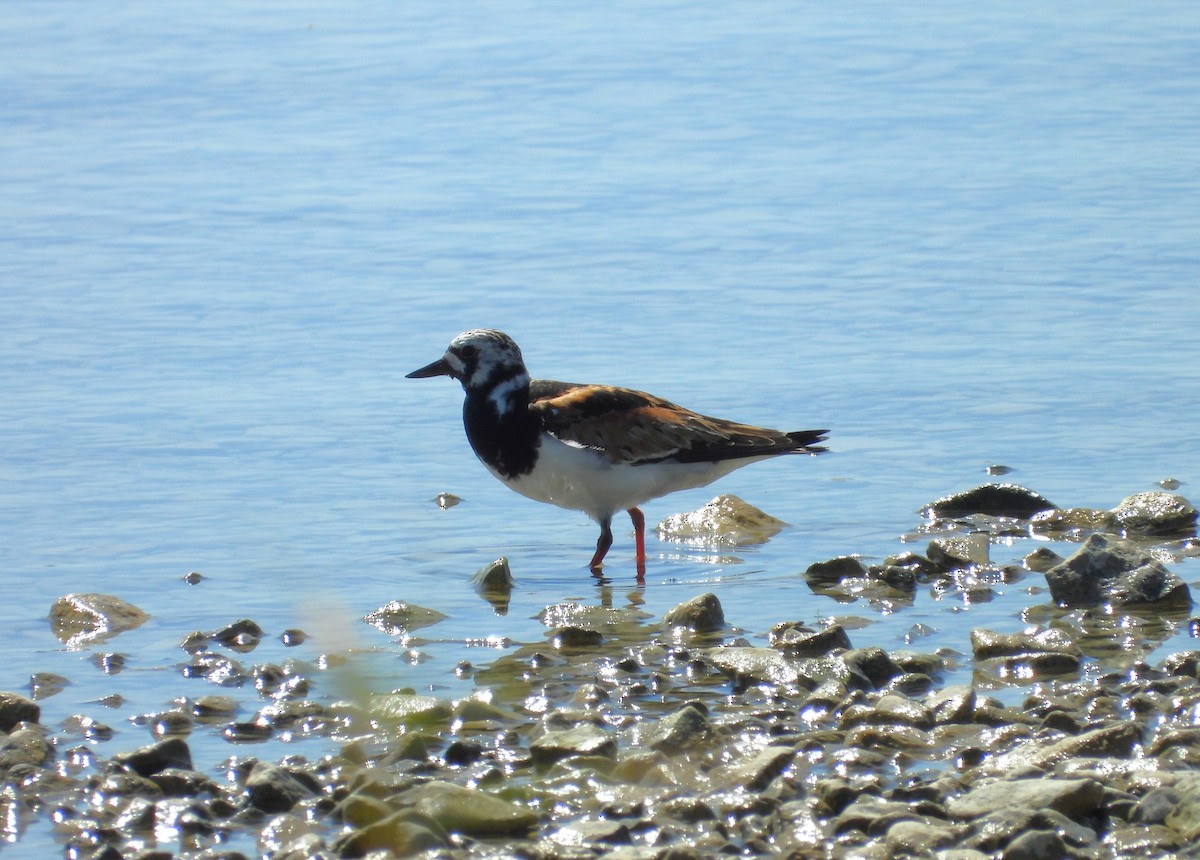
(957, 237)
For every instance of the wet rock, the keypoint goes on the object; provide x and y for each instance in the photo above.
(15, 708)
(589, 832)
(1068, 522)
(468, 810)
(754, 665)
(757, 771)
(575, 638)
(799, 641)
(410, 710)
(1109, 568)
(85, 619)
(1042, 559)
(952, 705)
(954, 553)
(242, 635)
(25, 747)
(42, 685)
(911, 838)
(702, 614)
(874, 816)
(1184, 817)
(1154, 513)
(1115, 741)
(1154, 806)
(997, 500)
(149, 760)
(1074, 798)
(872, 665)
(292, 637)
(495, 584)
(270, 788)
(583, 740)
(686, 728)
(726, 520)
(1036, 845)
(987, 644)
(835, 570)
(400, 834)
(398, 617)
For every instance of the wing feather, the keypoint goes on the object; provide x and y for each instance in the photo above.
(631, 427)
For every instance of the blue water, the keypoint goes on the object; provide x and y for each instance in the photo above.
(955, 235)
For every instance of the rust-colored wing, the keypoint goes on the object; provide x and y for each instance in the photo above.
(635, 427)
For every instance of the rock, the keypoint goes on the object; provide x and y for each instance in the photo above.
(952, 704)
(85, 619)
(1036, 845)
(1184, 817)
(468, 810)
(149, 760)
(910, 838)
(798, 641)
(1154, 806)
(1068, 521)
(1074, 798)
(1154, 513)
(25, 747)
(835, 570)
(702, 614)
(495, 584)
(954, 553)
(985, 643)
(242, 635)
(757, 771)
(872, 665)
(15, 708)
(575, 638)
(399, 617)
(1115, 741)
(582, 740)
(754, 665)
(270, 788)
(726, 520)
(996, 500)
(588, 832)
(684, 729)
(1042, 559)
(409, 709)
(397, 835)
(1106, 567)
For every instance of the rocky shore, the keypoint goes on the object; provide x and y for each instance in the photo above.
(628, 736)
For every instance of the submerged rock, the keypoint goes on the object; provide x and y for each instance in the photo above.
(584, 740)
(399, 617)
(726, 520)
(466, 810)
(85, 619)
(997, 500)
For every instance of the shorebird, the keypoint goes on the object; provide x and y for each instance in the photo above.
(594, 448)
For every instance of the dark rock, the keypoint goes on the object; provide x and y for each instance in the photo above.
(1042, 559)
(1154, 806)
(997, 500)
(1108, 568)
(1184, 817)
(15, 708)
(1154, 513)
(494, 583)
(1036, 845)
(952, 705)
(872, 664)
(85, 619)
(149, 760)
(985, 643)
(835, 570)
(702, 614)
(242, 635)
(575, 638)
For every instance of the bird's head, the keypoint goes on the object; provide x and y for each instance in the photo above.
(480, 359)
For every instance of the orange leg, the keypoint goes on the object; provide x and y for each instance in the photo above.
(639, 539)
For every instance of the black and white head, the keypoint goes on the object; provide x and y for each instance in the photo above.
(482, 360)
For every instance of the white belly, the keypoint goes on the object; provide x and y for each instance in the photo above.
(582, 479)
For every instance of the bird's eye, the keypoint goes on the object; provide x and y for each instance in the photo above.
(468, 351)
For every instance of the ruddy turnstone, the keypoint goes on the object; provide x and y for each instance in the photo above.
(594, 448)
